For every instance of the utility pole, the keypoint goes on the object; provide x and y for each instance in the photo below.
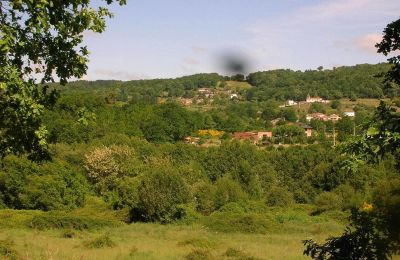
(354, 128)
(334, 136)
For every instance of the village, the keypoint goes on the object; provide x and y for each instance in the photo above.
(264, 137)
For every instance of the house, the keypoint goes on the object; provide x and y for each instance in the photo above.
(349, 113)
(207, 92)
(289, 103)
(315, 99)
(192, 140)
(186, 101)
(334, 117)
(244, 136)
(263, 135)
(234, 96)
(307, 129)
(317, 116)
(254, 137)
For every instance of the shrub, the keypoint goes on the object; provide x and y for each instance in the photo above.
(62, 220)
(204, 195)
(100, 242)
(125, 194)
(160, 193)
(280, 197)
(105, 164)
(328, 201)
(227, 191)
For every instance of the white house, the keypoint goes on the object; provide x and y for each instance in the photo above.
(349, 113)
(315, 99)
(234, 96)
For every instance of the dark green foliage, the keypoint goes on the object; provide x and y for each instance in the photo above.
(356, 81)
(160, 193)
(336, 104)
(389, 44)
(170, 122)
(317, 108)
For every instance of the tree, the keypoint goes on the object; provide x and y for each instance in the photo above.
(39, 40)
(391, 43)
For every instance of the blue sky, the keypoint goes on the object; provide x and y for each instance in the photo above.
(171, 38)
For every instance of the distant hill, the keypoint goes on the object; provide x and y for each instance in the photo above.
(359, 81)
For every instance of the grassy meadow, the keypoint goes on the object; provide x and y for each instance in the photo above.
(207, 238)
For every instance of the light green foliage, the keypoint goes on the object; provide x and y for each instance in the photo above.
(328, 201)
(100, 242)
(279, 196)
(105, 165)
(52, 185)
(227, 191)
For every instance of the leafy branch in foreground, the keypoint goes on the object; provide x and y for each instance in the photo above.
(39, 39)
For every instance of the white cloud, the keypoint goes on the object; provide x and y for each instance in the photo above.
(191, 61)
(367, 42)
(116, 74)
(321, 33)
(198, 49)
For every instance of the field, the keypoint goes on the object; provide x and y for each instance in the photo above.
(212, 237)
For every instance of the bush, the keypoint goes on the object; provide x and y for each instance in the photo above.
(104, 165)
(160, 193)
(328, 201)
(125, 194)
(62, 220)
(204, 195)
(100, 242)
(280, 197)
(227, 191)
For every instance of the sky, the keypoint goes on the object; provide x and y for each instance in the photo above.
(171, 38)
